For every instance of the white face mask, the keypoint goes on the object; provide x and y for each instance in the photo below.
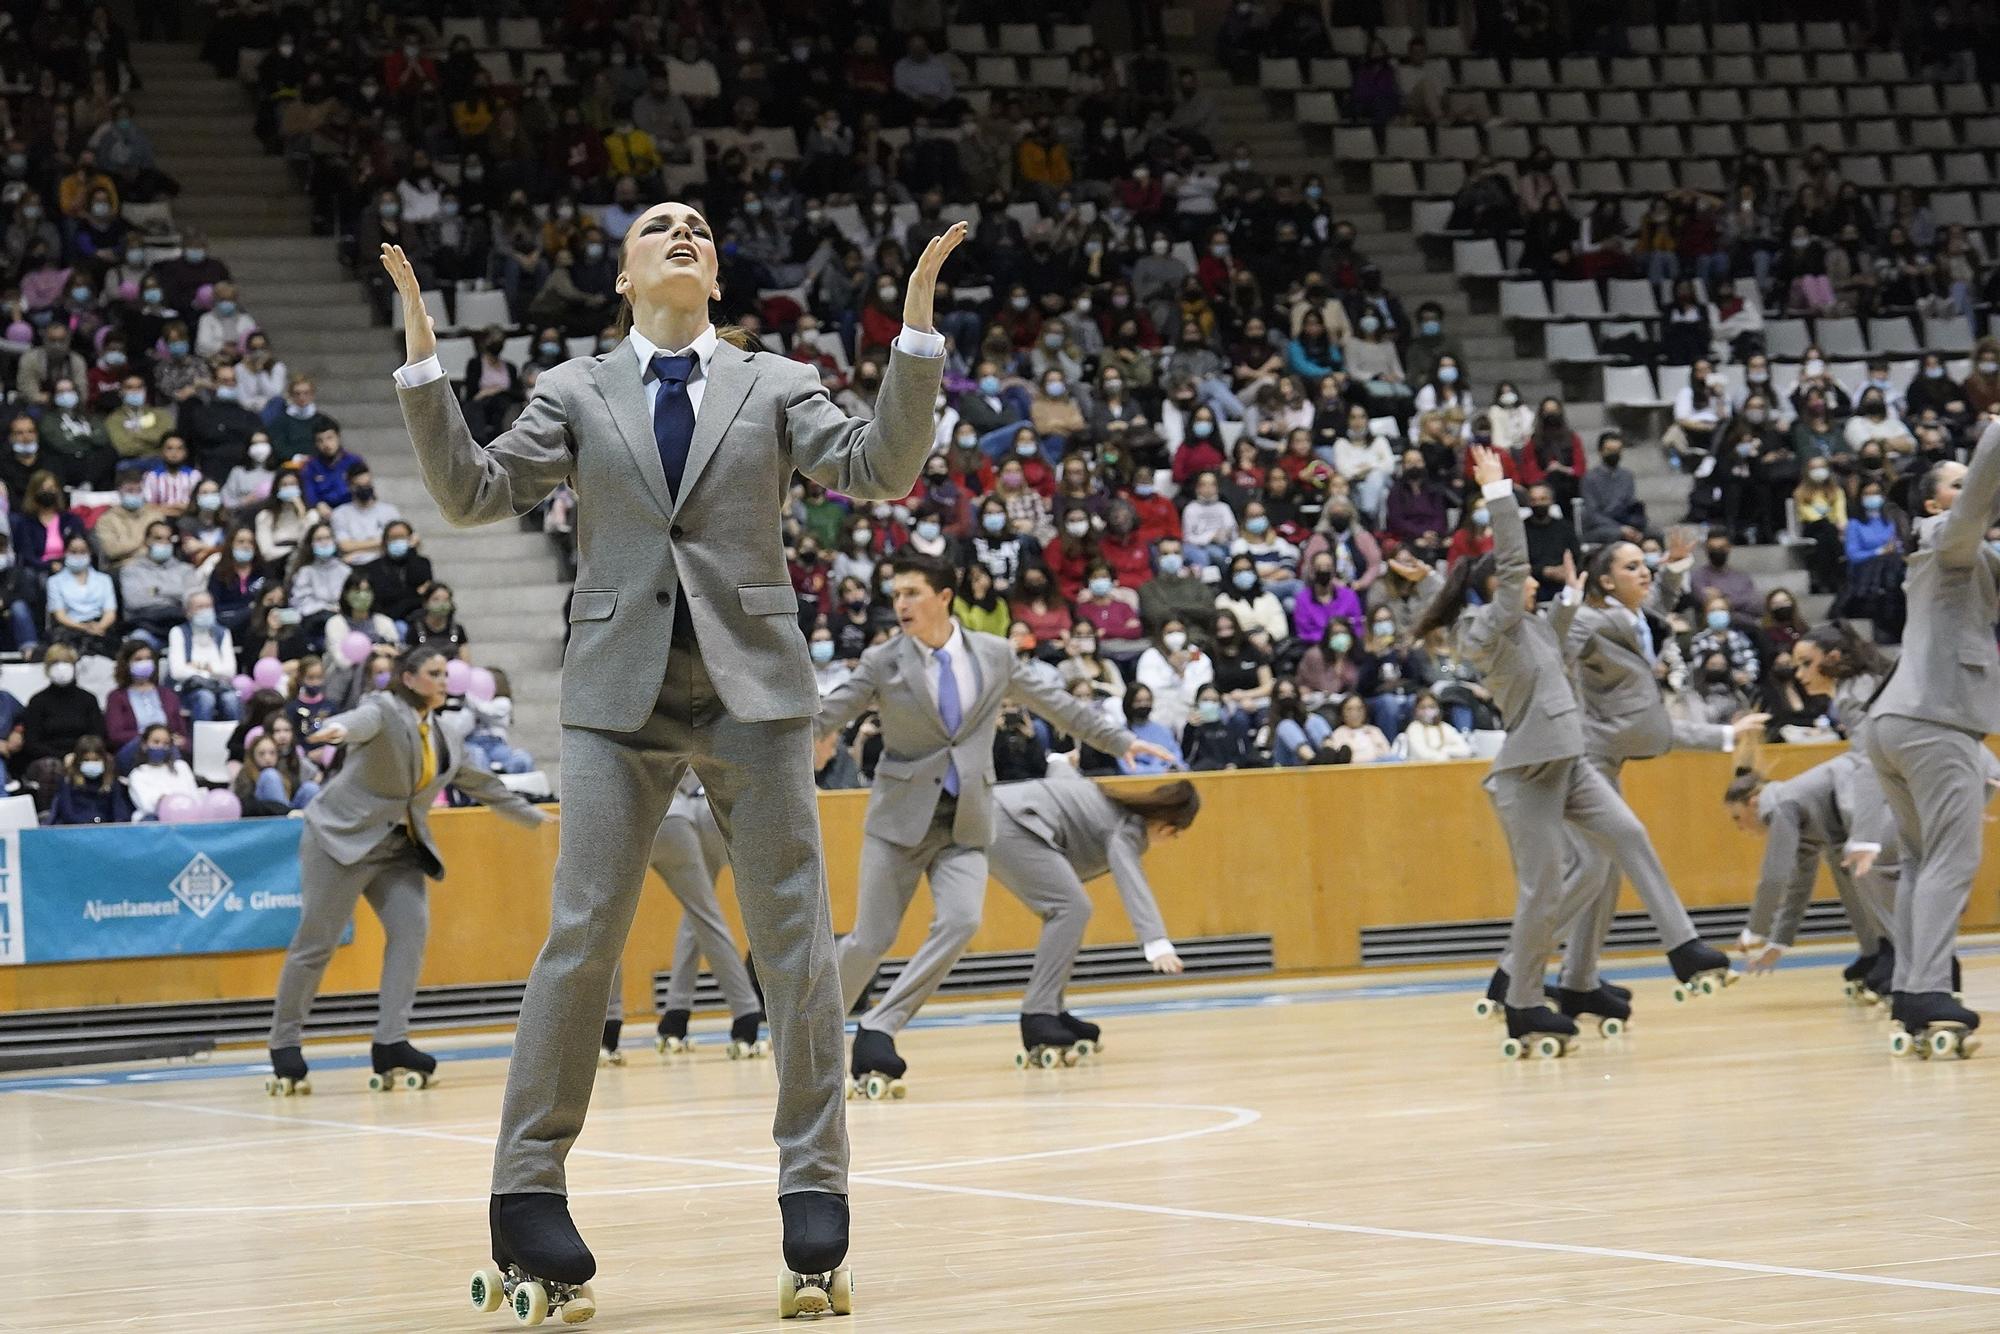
(62, 673)
(1174, 640)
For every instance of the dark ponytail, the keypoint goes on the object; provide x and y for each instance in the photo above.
(1858, 657)
(1451, 599)
(1174, 804)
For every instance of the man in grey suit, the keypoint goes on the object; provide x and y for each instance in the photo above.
(1928, 727)
(938, 689)
(368, 834)
(684, 649)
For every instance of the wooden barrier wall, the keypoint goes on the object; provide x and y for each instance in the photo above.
(1310, 856)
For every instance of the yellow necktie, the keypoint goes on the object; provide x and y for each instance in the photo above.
(426, 771)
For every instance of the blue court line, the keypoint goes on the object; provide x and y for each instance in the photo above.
(238, 1068)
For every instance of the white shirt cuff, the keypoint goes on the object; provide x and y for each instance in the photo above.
(1158, 949)
(1748, 939)
(920, 342)
(422, 373)
(1495, 490)
(1681, 566)
(1569, 596)
(1864, 847)
(1728, 741)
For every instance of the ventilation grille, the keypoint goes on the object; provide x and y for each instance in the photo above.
(1483, 941)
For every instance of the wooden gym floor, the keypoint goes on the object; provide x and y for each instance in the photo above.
(1323, 1155)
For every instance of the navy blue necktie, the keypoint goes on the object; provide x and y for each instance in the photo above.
(673, 416)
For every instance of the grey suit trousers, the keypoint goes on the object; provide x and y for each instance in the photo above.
(1596, 873)
(889, 876)
(1933, 778)
(617, 786)
(391, 877)
(1042, 878)
(1541, 807)
(686, 853)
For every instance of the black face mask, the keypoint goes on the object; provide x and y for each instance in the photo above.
(1611, 458)
(1139, 713)
(1871, 465)
(1539, 511)
(1340, 523)
(1718, 558)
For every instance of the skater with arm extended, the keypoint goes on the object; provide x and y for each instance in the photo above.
(684, 649)
(937, 689)
(1926, 733)
(367, 835)
(1539, 785)
(687, 852)
(1614, 644)
(1049, 838)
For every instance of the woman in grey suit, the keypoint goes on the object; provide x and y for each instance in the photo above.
(1540, 786)
(368, 835)
(1049, 837)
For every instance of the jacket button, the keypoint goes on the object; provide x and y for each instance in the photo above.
(663, 598)
(675, 531)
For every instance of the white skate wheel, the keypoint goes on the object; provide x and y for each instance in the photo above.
(1048, 1058)
(841, 1294)
(1548, 1047)
(415, 1079)
(1611, 1027)
(1483, 1008)
(788, 1295)
(762, 1047)
(876, 1088)
(378, 1083)
(489, 1290)
(1085, 1047)
(581, 1306)
(1943, 1042)
(1681, 994)
(1899, 1043)
(531, 1303)
(1512, 1049)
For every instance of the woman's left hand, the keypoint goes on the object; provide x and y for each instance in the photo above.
(1169, 963)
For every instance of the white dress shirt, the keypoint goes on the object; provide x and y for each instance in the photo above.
(962, 670)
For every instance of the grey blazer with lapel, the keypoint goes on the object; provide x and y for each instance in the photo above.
(1950, 671)
(1520, 654)
(891, 677)
(1095, 835)
(376, 790)
(1625, 716)
(717, 545)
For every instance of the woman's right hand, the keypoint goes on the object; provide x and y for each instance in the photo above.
(419, 330)
(333, 734)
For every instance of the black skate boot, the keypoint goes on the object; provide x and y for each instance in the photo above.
(1622, 993)
(1538, 1031)
(1494, 1003)
(1611, 1013)
(1880, 983)
(608, 1052)
(1957, 979)
(1045, 1041)
(1089, 1037)
(541, 1266)
(1932, 1024)
(288, 1073)
(1703, 970)
(399, 1065)
(877, 1070)
(814, 1281)
(1854, 977)
(672, 1036)
(743, 1040)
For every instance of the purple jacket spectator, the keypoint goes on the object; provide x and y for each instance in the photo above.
(1310, 615)
(1414, 511)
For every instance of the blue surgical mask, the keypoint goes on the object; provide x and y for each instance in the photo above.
(195, 254)
(203, 619)
(1100, 587)
(153, 296)
(1654, 559)
(1203, 430)
(1447, 375)
(91, 769)
(159, 754)
(989, 385)
(1210, 711)
(76, 562)
(1481, 516)
(1142, 489)
(225, 307)
(225, 393)
(135, 398)
(930, 530)
(1256, 523)
(1171, 562)
(1430, 328)
(1244, 579)
(131, 500)
(160, 552)
(244, 555)
(325, 550)
(66, 400)
(397, 547)
(79, 294)
(208, 502)
(177, 346)
(1718, 619)
(1871, 503)
(822, 650)
(993, 523)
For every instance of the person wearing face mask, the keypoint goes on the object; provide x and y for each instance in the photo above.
(82, 602)
(1713, 694)
(201, 663)
(1875, 421)
(1208, 524)
(154, 587)
(490, 387)
(360, 523)
(360, 610)
(54, 723)
(316, 577)
(994, 409)
(281, 521)
(1720, 634)
(1174, 669)
(236, 580)
(1738, 589)
(1982, 382)
(135, 428)
(1820, 505)
(157, 771)
(1876, 538)
(249, 482)
(1612, 510)
(90, 790)
(1473, 537)
(1110, 613)
(1217, 737)
(73, 440)
(224, 325)
(1249, 603)
(296, 422)
(1429, 738)
(140, 702)
(217, 425)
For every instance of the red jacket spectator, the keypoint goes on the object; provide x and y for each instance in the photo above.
(1023, 326)
(397, 67)
(121, 727)
(1128, 556)
(810, 583)
(1050, 623)
(1195, 457)
(1039, 476)
(1113, 617)
(576, 151)
(1158, 517)
(1144, 198)
(1068, 563)
(1465, 546)
(878, 328)
(1524, 466)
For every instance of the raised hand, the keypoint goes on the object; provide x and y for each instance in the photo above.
(1572, 577)
(1680, 543)
(420, 338)
(1486, 468)
(922, 291)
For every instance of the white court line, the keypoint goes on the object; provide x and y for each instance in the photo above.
(1124, 1206)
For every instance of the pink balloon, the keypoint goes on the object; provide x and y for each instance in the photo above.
(481, 685)
(245, 687)
(268, 673)
(354, 648)
(179, 808)
(204, 296)
(457, 676)
(221, 804)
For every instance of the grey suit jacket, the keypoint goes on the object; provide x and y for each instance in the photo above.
(1625, 715)
(1806, 822)
(916, 750)
(1094, 834)
(376, 790)
(716, 545)
(1521, 654)
(1950, 672)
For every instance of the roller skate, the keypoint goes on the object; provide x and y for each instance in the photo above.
(1046, 1042)
(877, 1070)
(288, 1073)
(744, 1043)
(399, 1065)
(1880, 983)
(1622, 993)
(1538, 1031)
(1611, 1013)
(1494, 1003)
(1089, 1037)
(1854, 978)
(814, 1281)
(1703, 970)
(672, 1037)
(607, 1051)
(540, 1265)
(1934, 1025)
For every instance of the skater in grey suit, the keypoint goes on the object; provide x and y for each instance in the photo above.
(1927, 729)
(687, 853)
(937, 689)
(1614, 644)
(684, 649)
(1541, 787)
(1050, 837)
(368, 835)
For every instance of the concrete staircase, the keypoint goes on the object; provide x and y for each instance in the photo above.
(1279, 146)
(507, 581)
